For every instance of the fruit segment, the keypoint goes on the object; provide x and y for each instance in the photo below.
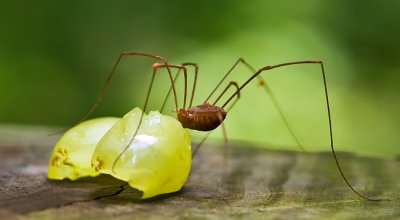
(72, 154)
(156, 160)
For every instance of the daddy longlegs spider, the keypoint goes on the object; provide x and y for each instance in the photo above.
(206, 116)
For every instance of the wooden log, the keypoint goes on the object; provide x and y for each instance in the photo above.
(255, 184)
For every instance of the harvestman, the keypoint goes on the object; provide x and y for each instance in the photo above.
(206, 116)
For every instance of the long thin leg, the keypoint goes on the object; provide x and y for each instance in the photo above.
(225, 134)
(196, 71)
(223, 78)
(200, 144)
(179, 67)
(266, 68)
(196, 68)
(268, 90)
(155, 67)
(231, 83)
(285, 119)
(169, 92)
(111, 74)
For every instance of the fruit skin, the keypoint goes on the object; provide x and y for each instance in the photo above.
(157, 161)
(71, 157)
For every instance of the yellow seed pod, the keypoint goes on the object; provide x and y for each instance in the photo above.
(72, 154)
(157, 160)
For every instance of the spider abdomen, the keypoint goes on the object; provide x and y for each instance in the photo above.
(204, 117)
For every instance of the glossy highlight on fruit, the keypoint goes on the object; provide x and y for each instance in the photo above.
(72, 154)
(157, 160)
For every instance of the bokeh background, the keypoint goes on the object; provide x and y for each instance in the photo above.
(55, 56)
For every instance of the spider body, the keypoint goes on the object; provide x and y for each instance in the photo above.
(205, 117)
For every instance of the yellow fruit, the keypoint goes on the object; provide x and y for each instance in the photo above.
(157, 160)
(72, 154)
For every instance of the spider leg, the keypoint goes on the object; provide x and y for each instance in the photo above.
(155, 68)
(269, 91)
(267, 68)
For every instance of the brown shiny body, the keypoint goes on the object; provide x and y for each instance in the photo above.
(204, 117)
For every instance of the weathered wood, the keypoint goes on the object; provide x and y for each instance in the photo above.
(256, 184)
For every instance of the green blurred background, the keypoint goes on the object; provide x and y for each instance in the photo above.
(55, 56)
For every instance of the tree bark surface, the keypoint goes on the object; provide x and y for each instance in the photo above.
(250, 183)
